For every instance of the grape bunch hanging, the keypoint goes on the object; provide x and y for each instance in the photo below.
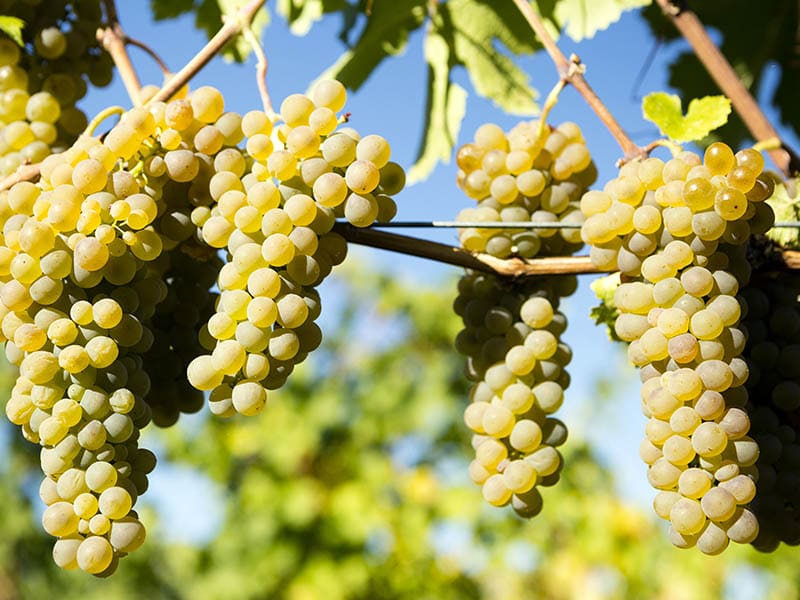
(107, 266)
(512, 330)
(679, 231)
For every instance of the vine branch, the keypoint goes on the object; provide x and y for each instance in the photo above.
(513, 267)
(453, 255)
(230, 29)
(687, 23)
(571, 71)
(113, 39)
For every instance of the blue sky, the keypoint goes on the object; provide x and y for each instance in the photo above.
(391, 103)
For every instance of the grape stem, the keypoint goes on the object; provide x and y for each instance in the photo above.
(149, 51)
(102, 116)
(113, 39)
(549, 103)
(693, 31)
(23, 173)
(229, 30)
(571, 71)
(674, 148)
(261, 70)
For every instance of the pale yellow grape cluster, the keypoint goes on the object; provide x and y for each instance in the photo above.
(273, 216)
(88, 254)
(531, 174)
(41, 82)
(77, 293)
(678, 230)
(105, 270)
(515, 358)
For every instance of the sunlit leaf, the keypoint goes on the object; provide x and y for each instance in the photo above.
(445, 109)
(703, 116)
(477, 28)
(12, 27)
(385, 34)
(583, 18)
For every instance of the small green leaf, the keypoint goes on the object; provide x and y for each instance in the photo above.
(606, 312)
(704, 115)
(385, 34)
(302, 14)
(12, 27)
(473, 28)
(446, 105)
(583, 18)
(786, 208)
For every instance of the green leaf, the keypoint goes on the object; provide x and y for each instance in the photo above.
(385, 34)
(475, 27)
(12, 27)
(784, 203)
(446, 104)
(606, 312)
(302, 14)
(583, 18)
(703, 116)
(208, 17)
(239, 48)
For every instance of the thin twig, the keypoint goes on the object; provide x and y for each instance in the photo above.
(230, 29)
(725, 77)
(262, 64)
(23, 173)
(571, 71)
(515, 267)
(113, 39)
(149, 51)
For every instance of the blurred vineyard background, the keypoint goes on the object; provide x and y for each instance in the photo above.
(353, 485)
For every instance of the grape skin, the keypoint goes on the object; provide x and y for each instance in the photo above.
(683, 331)
(518, 371)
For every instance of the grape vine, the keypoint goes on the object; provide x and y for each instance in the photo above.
(174, 260)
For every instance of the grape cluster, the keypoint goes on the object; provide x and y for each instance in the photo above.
(107, 266)
(41, 82)
(678, 231)
(273, 215)
(86, 254)
(532, 174)
(511, 334)
(772, 352)
(515, 358)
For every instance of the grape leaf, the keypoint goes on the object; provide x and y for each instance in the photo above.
(606, 312)
(786, 208)
(761, 48)
(170, 9)
(583, 18)
(475, 26)
(703, 115)
(302, 14)
(208, 17)
(446, 104)
(385, 34)
(12, 27)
